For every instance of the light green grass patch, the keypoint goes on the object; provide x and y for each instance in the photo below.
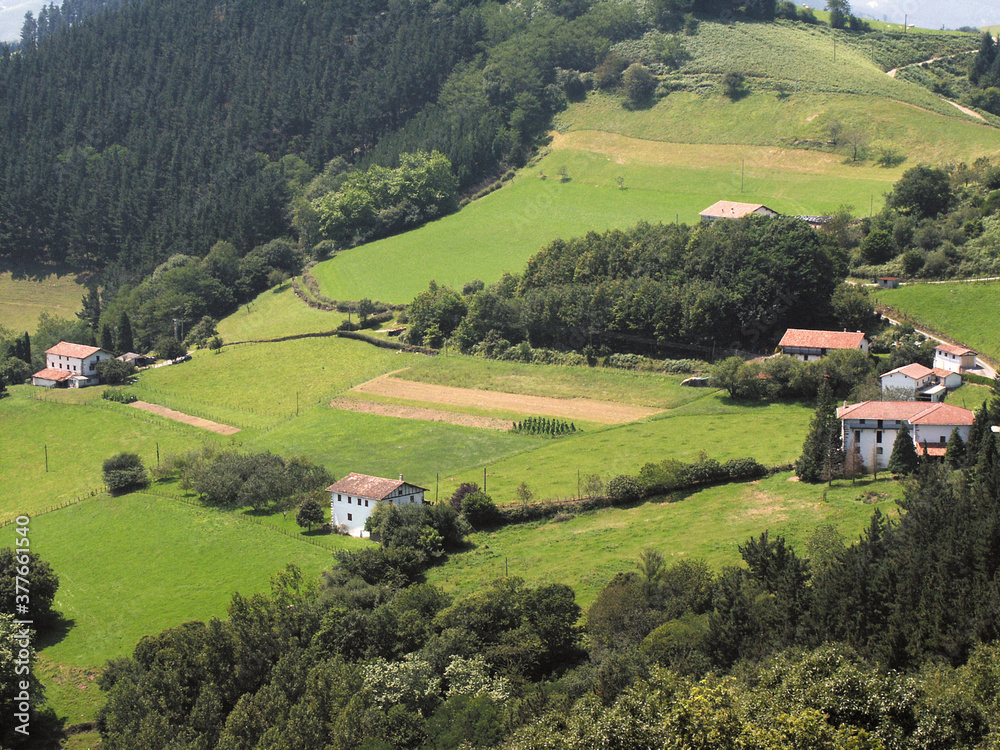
(276, 312)
(387, 446)
(967, 312)
(970, 396)
(78, 438)
(22, 300)
(711, 427)
(134, 565)
(260, 385)
(586, 551)
(555, 381)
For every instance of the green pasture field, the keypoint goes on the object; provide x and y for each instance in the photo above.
(765, 119)
(22, 300)
(79, 430)
(712, 427)
(966, 311)
(346, 441)
(556, 381)
(274, 313)
(662, 183)
(259, 385)
(587, 550)
(134, 565)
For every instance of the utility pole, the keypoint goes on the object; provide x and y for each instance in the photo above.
(46, 459)
(743, 167)
(437, 486)
(484, 479)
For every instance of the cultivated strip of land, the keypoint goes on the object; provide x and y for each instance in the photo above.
(420, 412)
(591, 410)
(178, 416)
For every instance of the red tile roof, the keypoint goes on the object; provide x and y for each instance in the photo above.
(958, 351)
(932, 449)
(67, 349)
(942, 373)
(915, 371)
(50, 373)
(800, 337)
(914, 412)
(733, 210)
(373, 488)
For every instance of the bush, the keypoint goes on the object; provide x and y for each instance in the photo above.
(44, 584)
(124, 472)
(114, 371)
(119, 396)
(310, 513)
(624, 489)
(167, 347)
(480, 510)
(734, 85)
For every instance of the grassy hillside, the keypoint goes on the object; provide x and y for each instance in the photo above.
(610, 166)
(587, 550)
(965, 311)
(22, 300)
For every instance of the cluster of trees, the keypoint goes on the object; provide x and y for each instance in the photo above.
(15, 358)
(938, 222)
(886, 643)
(729, 284)
(262, 481)
(54, 19)
(543, 426)
(984, 75)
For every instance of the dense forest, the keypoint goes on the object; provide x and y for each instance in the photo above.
(888, 643)
(731, 283)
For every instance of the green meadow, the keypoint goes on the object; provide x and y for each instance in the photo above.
(273, 314)
(966, 311)
(22, 300)
(587, 550)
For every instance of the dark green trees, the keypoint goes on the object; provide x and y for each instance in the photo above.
(310, 514)
(904, 459)
(124, 472)
(822, 454)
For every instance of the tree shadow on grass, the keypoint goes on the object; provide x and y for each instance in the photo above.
(55, 632)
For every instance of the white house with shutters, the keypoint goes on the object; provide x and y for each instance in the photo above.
(73, 365)
(920, 383)
(873, 425)
(354, 497)
(954, 358)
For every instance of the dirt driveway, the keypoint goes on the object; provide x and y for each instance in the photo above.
(178, 416)
(586, 409)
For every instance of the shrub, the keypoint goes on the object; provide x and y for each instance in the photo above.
(480, 510)
(167, 347)
(124, 472)
(310, 513)
(734, 85)
(114, 371)
(119, 396)
(624, 489)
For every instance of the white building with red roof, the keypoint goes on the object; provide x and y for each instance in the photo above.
(920, 383)
(873, 425)
(354, 497)
(954, 358)
(734, 210)
(808, 345)
(73, 365)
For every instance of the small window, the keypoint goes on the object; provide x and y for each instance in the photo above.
(880, 424)
(857, 436)
(350, 517)
(366, 503)
(861, 421)
(878, 451)
(340, 499)
(878, 436)
(348, 499)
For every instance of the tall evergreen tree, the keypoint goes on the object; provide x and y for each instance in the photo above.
(90, 311)
(980, 426)
(107, 338)
(904, 459)
(954, 456)
(822, 455)
(124, 338)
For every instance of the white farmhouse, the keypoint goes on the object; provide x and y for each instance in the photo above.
(807, 345)
(734, 210)
(921, 383)
(354, 497)
(73, 365)
(954, 358)
(872, 425)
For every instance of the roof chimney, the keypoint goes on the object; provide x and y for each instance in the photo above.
(400, 477)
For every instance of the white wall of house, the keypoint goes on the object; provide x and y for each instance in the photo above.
(876, 437)
(87, 366)
(954, 362)
(901, 382)
(352, 511)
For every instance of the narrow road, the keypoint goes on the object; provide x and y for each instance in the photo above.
(965, 110)
(984, 369)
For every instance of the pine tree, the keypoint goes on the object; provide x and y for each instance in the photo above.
(904, 458)
(107, 339)
(90, 312)
(954, 456)
(125, 343)
(821, 453)
(980, 426)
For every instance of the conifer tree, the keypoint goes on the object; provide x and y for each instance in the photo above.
(125, 343)
(954, 456)
(821, 453)
(904, 458)
(107, 338)
(980, 426)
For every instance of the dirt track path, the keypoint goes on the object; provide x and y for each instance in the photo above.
(591, 410)
(178, 416)
(420, 412)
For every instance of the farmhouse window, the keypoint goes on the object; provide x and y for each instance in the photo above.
(857, 436)
(880, 424)
(878, 451)
(349, 517)
(348, 499)
(340, 499)
(878, 436)
(366, 503)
